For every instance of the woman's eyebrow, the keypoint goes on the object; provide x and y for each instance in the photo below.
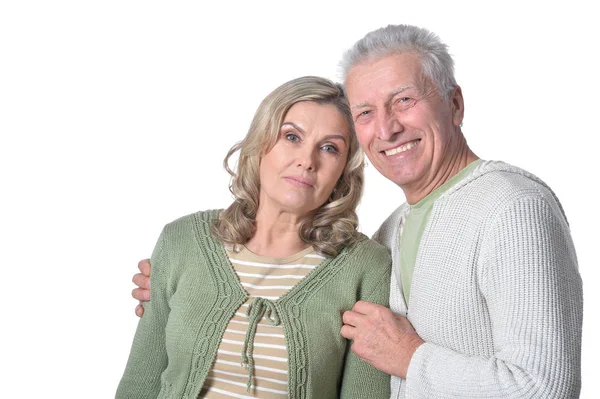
(292, 124)
(328, 137)
(335, 136)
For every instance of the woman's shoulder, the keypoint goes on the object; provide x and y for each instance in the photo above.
(180, 245)
(198, 219)
(365, 268)
(366, 249)
(186, 230)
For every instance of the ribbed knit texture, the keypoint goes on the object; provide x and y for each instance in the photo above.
(195, 293)
(496, 293)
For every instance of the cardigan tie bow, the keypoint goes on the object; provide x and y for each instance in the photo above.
(256, 310)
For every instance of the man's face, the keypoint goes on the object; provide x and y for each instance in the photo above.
(406, 129)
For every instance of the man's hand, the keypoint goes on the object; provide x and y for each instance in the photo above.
(142, 280)
(381, 338)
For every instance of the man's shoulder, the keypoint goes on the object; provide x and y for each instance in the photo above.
(496, 186)
(496, 180)
(389, 228)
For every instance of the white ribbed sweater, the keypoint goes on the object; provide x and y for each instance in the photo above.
(496, 293)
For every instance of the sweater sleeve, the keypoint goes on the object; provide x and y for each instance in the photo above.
(528, 276)
(148, 357)
(360, 379)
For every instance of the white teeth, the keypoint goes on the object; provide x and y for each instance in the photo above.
(402, 148)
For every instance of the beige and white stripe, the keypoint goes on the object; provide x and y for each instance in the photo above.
(268, 278)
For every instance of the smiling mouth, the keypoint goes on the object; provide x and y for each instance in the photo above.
(402, 148)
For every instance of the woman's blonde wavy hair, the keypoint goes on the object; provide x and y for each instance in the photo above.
(333, 225)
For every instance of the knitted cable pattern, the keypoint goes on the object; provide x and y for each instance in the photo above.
(196, 292)
(229, 299)
(298, 348)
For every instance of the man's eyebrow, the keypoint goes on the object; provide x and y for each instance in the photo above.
(400, 90)
(394, 92)
(361, 105)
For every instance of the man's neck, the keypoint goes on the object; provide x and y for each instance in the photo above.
(444, 173)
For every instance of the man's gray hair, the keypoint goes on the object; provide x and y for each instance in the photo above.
(436, 62)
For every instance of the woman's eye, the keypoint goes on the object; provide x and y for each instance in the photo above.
(292, 137)
(329, 148)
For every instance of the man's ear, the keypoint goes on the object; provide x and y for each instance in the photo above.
(458, 106)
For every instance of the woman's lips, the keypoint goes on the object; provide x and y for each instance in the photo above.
(299, 181)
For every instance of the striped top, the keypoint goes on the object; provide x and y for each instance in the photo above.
(196, 292)
(267, 278)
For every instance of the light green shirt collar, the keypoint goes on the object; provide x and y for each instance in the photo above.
(435, 194)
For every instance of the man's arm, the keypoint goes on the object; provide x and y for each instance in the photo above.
(533, 294)
(142, 280)
(528, 276)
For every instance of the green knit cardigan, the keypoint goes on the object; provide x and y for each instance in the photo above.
(195, 293)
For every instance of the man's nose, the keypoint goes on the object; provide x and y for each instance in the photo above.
(388, 125)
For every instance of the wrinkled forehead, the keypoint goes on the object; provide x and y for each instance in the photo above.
(385, 76)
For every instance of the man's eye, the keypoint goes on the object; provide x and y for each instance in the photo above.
(403, 100)
(403, 103)
(362, 114)
(292, 137)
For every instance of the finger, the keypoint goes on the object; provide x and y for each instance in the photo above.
(144, 266)
(365, 308)
(141, 281)
(141, 294)
(351, 318)
(348, 331)
(139, 310)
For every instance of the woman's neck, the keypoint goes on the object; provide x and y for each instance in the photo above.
(276, 235)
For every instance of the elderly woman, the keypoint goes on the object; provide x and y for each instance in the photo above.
(247, 301)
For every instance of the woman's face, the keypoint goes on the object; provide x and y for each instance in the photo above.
(299, 173)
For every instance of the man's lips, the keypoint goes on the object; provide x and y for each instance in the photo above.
(401, 148)
(299, 181)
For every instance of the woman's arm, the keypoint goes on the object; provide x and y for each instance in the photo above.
(148, 356)
(360, 379)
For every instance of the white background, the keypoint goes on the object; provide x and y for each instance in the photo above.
(115, 117)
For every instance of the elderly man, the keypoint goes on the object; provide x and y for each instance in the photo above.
(486, 298)
(484, 266)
